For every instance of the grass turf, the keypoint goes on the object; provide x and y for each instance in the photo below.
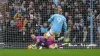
(66, 52)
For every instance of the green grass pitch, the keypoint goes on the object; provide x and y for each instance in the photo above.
(59, 52)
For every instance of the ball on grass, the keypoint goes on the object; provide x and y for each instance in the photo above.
(32, 47)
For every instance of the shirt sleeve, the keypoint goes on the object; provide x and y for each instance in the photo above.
(51, 19)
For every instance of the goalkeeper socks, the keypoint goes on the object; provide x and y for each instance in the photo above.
(44, 41)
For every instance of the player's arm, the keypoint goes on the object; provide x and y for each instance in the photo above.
(36, 44)
(65, 25)
(37, 41)
(51, 19)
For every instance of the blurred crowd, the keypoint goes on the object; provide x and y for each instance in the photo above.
(25, 17)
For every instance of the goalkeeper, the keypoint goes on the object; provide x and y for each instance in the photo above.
(39, 40)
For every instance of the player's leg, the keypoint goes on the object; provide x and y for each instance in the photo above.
(47, 35)
(59, 40)
(57, 37)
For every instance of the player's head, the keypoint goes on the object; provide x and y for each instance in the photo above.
(33, 36)
(59, 10)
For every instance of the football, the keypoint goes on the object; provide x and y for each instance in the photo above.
(32, 47)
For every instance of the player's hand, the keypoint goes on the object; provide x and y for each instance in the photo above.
(34, 45)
